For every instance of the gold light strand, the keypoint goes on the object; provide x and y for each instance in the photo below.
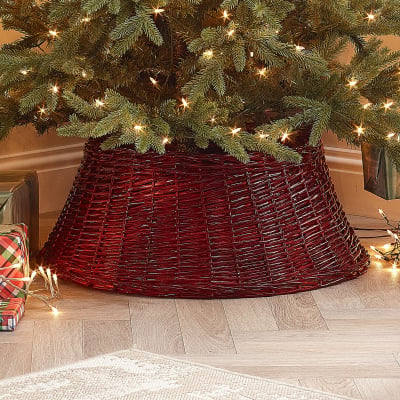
(352, 83)
(208, 54)
(185, 103)
(53, 33)
(359, 130)
(226, 15)
(99, 103)
(235, 131)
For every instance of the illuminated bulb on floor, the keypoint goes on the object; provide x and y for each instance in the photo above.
(387, 246)
(42, 110)
(54, 310)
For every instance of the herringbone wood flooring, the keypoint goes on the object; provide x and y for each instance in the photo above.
(344, 339)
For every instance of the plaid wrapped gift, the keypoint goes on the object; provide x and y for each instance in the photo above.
(14, 259)
(11, 311)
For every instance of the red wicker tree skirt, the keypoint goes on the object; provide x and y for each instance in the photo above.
(203, 225)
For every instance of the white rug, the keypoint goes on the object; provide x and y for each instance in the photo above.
(133, 374)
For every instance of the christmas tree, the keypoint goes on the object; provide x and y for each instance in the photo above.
(239, 74)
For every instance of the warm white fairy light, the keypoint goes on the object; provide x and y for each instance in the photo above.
(24, 71)
(208, 54)
(262, 72)
(84, 74)
(285, 136)
(299, 48)
(85, 20)
(390, 135)
(388, 104)
(42, 110)
(231, 32)
(138, 128)
(225, 15)
(55, 89)
(352, 83)
(153, 81)
(53, 33)
(213, 120)
(252, 54)
(387, 246)
(370, 17)
(99, 103)
(54, 310)
(165, 140)
(367, 105)
(359, 130)
(235, 131)
(158, 11)
(262, 135)
(185, 103)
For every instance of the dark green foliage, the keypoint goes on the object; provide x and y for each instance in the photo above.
(242, 74)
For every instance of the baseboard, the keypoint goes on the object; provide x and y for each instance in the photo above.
(344, 160)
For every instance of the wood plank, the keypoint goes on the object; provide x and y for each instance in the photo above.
(339, 297)
(155, 325)
(56, 343)
(100, 337)
(379, 389)
(296, 311)
(15, 359)
(274, 365)
(369, 314)
(23, 333)
(342, 386)
(82, 303)
(204, 327)
(363, 341)
(249, 315)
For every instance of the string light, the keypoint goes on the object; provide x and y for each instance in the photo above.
(388, 104)
(85, 20)
(299, 48)
(165, 140)
(213, 120)
(262, 135)
(367, 105)
(158, 11)
(370, 17)
(185, 103)
(390, 135)
(138, 128)
(235, 131)
(153, 81)
(54, 310)
(99, 103)
(231, 32)
(42, 110)
(285, 136)
(24, 71)
(84, 74)
(55, 89)
(208, 54)
(252, 54)
(352, 83)
(53, 33)
(262, 72)
(225, 15)
(359, 130)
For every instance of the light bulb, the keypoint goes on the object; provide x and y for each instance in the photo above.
(252, 54)
(24, 71)
(285, 136)
(85, 20)
(165, 140)
(370, 17)
(208, 54)
(367, 105)
(53, 33)
(185, 103)
(388, 104)
(157, 11)
(153, 81)
(138, 128)
(55, 311)
(230, 32)
(55, 89)
(84, 74)
(262, 72)
(390, 135)
(299, 48)
(42, 110)
(99, 103)
(359, 130)
(352, 83)
(225, 15)
(235, 131)
(212, 120)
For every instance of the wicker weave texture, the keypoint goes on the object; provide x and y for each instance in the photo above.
(203, 225)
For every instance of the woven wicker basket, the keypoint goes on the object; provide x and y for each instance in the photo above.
(203, 225)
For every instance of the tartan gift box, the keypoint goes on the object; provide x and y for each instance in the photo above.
(11, 311)
(14, 259)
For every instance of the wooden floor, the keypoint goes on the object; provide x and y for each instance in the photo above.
(344, 339)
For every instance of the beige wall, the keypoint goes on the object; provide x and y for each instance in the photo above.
(56, 159)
